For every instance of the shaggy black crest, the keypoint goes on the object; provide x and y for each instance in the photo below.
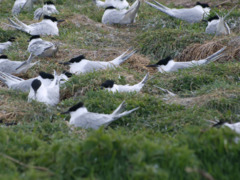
(12, 39)
(46, 75)
(110, 7)
(3, 57)
(204, 5)
(75, 107)
(68, 74)
(50, 17)
(48, 2)
(164, 61)
(213, 18)
(36, 84)
(34, 37)
(219, 124)
(77, 59)
(108, 84)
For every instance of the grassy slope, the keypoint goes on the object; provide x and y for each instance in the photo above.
(159, 141)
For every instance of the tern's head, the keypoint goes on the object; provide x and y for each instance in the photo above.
(49, 3)
(12, 39)
(3, 57)
(53, 19)
(162, 62)
(204, 5)
(36, 85)
(44, 75)
(74, 108)
(219, 124)
(107, 84)
(34, 37)
(74, 60)
(109, 8)
(68, 74)
(213, 18)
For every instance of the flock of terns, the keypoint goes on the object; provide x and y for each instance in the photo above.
(45, 88)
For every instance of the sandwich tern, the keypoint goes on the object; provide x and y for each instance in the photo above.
(110, 86)
(21, 4)
(118, 4)
(48, 26)
(81, 117)
(6, 45)
(47, 94)
(47, 9)
(169, 65)
(15, 67)
(126, 16)
(41, 48)
(81, 65)
(234, 126)
(190, 15)
(19, 84)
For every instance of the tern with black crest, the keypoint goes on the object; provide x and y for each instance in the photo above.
(41, 48)
(169, 65)
(118, 4)
(6, 45)
(81, 65)
(48, 26)
(47, 9)
(81, 117)
(190, 15)
(111, 86)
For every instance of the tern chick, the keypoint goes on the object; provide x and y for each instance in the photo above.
(48, 26)
(190, 15)
(41, 48)
(110, 86)
(81, 65)
(169, 65)
(47, 9)
(15, 67)
(126, 16)
(6, 45)
(81, 117)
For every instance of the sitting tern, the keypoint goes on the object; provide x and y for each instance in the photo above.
(81, 65)
(6, 45)
(15, 67)
(110, 86)
(81, 117)
(169, 65)
(48, 26)
(21, 4)
(47, 9)
(190, 15)
(41, 48)
(126, 16)
(118, 4)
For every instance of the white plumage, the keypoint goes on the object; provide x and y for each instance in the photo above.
(119, 4)
(6, 45)
(81, 117)
(41, 48)
(111, 86)
(47, 9)
(21, 4)
(169, 65)
(15, 67)
(191, 15)
(125, 16)
(81, 65)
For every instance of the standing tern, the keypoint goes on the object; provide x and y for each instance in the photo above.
(41, 48)
(15, 67)
(190, 15)
(110, 86)
(6, 45)
(47, 9)
(48, 26)
(81, 117)
(126, 16)
(47, 94)
(169, 65)
(118, 4)
(81, 65)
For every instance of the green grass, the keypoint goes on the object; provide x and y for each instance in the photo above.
(161, 140)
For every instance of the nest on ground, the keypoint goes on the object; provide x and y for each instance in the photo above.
(201, 51)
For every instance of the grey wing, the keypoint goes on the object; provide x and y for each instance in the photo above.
(23, 86)
(92, 120)
(39, 47)
(94, 66)
(40, 28)
(9, 66)
(113, 17)
(38, 13)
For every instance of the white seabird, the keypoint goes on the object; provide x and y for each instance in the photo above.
(6, 45)
(118, 4)
(47, 9)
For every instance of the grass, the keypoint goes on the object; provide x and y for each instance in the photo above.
(162, 140)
